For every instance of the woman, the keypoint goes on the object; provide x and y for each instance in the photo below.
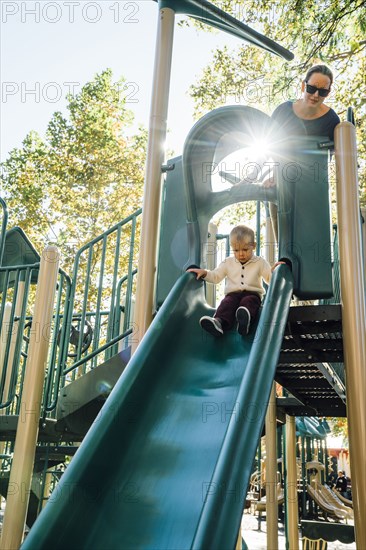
(308, 116)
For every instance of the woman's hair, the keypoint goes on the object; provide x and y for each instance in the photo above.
(322, 69)
(242, 232)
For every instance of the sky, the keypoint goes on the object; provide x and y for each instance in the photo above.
(51, 48)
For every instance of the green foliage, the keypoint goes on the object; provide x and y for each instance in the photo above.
(83, 177)
(339, 427)
(331, 32)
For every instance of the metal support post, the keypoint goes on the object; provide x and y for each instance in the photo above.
(271, 473)
(152, 187)
(353, 315)
(30, 406)
(292, 511)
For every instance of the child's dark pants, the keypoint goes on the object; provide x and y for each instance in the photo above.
(228, 306)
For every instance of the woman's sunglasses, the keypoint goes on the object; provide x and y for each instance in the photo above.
(323, 92)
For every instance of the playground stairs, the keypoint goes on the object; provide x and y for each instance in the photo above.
(46, 459)
(80, 401)
(311, 350)
(50, 431)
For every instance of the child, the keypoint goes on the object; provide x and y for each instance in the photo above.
(243, 285)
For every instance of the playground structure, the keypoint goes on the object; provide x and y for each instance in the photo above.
(182, 423)
(315, 496)
(193, 366)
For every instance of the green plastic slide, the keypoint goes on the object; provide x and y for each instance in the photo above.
(166, 464)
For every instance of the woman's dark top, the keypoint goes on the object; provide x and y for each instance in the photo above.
(341, 483)
(292, 125)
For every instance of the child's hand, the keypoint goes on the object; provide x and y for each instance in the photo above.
(201, 273)
(277, 264)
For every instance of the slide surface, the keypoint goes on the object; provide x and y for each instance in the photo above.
(328, 501)
(167, 462)
(261, 505)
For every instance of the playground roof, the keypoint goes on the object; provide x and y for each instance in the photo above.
(212, 15)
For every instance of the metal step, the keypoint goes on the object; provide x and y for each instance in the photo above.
(312, 342)
(80, 401)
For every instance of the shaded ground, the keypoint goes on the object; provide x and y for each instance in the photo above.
(257, 540)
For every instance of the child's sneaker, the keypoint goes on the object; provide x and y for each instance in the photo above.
(211, 325)
(243, 318)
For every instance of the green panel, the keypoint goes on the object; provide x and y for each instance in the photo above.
(310, 427)
(215, 136)
(167, 462)
(330, 532)
(188, 199)
(18, 249)
(173, 246)
(304, 216)
(300, 427)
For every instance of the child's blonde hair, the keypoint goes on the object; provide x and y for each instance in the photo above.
(241, 233)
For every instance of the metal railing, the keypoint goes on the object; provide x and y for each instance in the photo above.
(4, 222)
(92, 314)
(17, 293)
(103, 282)
(14, 288)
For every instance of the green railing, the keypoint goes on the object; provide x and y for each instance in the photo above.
(103, 282)
(338, 368)
(4, 222)
(17, 292)
(59, 338)
(15, 287)
(92, 314)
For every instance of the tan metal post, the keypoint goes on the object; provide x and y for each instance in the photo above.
(239, 544)
(152, 188)
(271, 425)
(30, 406)
(292, 510)
(363, 212)
(270, 242)
(353, 315)
(271, 472)
(211, 255)
(47, 487)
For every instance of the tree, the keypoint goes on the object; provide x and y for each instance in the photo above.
(84, 176)
(339, 427)
(331, 32)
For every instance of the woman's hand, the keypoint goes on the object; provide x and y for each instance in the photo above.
(269, 182)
